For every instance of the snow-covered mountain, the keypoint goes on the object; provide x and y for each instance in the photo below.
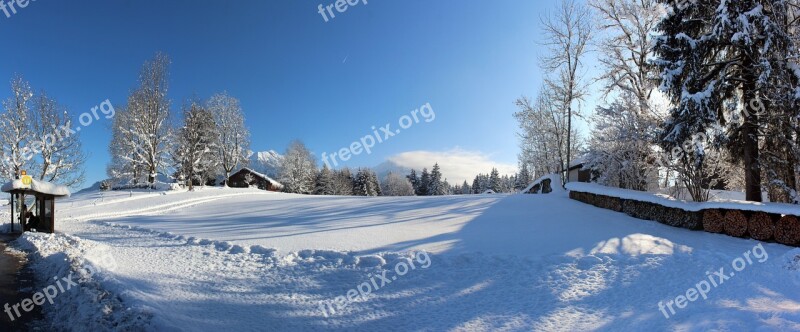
(266, 162)
(383, 169)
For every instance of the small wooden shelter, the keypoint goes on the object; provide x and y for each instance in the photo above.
(43, 209)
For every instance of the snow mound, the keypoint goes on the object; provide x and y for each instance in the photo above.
(57, 258)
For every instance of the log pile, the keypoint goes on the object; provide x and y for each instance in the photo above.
(735, 223)
(757, 225)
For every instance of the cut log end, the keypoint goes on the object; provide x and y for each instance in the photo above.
(761, 226)
(788, 231)
(713, 221)
(735, 223)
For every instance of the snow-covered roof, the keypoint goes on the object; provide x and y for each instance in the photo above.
(41, 187)
(276, 183)
(578, 162)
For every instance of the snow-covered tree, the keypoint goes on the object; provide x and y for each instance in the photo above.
(719, 62)
(366, 183)
(325, 183)
(15, 130)
(424, 183)
(466, 189)
(494, 181)
(621, 146)
(233, 141)
(374, 185)
(59, 157)
(298, 172)
(523, 178)
(544, 132)
(124, 170)
(414, 179)
(141, 143)
(196, 146)
(567, 32)
(436, 186)
(343, 182)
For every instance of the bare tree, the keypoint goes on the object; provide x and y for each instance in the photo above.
(14, 128)
(544, 133)
(142, 133)
(624, 134)
(567, 33)
(299, 170)
(196, 146)
(60, 156)
(397, 185)
(234, 139)
(123, 169)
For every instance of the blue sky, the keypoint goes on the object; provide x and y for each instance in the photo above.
(297, 76)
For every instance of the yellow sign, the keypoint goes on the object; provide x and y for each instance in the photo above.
(27, 180)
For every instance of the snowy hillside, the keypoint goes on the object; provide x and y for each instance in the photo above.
(250, 260)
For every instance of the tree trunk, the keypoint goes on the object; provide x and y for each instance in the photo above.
(752, 165)
(569, 139)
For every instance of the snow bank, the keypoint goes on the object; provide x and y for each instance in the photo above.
(88, 304)
(37, 186)
(776, 208)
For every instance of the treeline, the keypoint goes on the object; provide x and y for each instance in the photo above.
(698, 95)
(494, 182)
(298, 174)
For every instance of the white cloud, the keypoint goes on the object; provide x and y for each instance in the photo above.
(457, 165)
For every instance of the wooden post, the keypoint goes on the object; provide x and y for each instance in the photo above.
(52, 215)
(12, 212)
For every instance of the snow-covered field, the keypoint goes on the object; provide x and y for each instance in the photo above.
(242, 260)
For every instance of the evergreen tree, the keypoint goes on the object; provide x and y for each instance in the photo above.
(325, 182)
(465, 188)
(414, 179)
(523, 178)
(373, 185)
(435, 185)
(494, 181)
(720, 60)
(343, 182)
(424, 183)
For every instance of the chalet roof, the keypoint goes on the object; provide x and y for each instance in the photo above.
(263, 176)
